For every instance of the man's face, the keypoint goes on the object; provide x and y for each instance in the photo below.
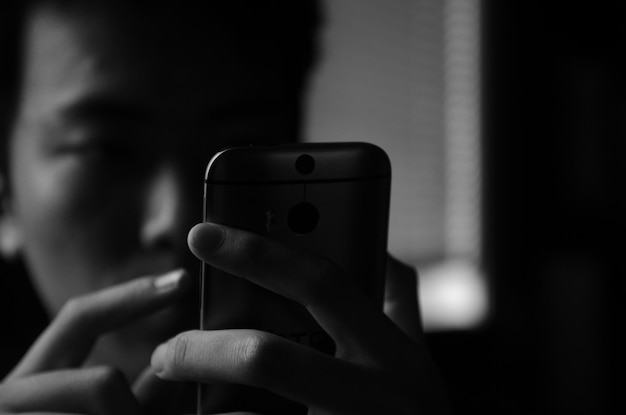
(116, 123)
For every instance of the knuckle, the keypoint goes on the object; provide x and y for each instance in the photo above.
(327, 277)
(327, 269)
(107, 382)
(254, 248)
(179, 347)
(257, 353)
(75, 310)
(71, 307)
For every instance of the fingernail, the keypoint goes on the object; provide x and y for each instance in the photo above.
(206, 237)
(169, 281)
(157, 361)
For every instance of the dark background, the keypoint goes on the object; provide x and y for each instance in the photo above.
(554, 149)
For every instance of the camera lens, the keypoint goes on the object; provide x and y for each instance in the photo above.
(303, 218)
(305, 164)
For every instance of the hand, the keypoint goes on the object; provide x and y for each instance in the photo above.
(377, 368)
(49, 377)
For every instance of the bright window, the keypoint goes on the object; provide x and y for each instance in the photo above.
(404, 74)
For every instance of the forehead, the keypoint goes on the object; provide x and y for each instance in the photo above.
(176, 63)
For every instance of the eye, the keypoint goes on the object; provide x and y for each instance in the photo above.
(106, 160)
(95, 149)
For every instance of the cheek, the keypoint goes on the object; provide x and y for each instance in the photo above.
(76, 228)
(62, 202)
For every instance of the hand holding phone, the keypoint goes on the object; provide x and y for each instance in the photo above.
(376, 369)
(267, 279)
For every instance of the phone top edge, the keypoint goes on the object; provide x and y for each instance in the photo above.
(210, 164)
(305, 181)
(301, 162)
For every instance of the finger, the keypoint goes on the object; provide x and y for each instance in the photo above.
(96, 390)
(157, 396)
(263, 360)
(69, 338)
(401, 300)
(343, 311)
(239, 413)
(44, 413)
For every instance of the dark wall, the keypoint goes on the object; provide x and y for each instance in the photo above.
(554, 118)
(555, 167)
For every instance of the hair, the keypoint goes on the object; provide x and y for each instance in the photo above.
(290, 26)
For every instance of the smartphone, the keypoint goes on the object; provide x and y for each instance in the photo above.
(328, 198)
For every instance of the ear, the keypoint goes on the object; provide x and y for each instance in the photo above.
(10, 232)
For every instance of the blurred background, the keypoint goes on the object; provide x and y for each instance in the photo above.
(504, 121)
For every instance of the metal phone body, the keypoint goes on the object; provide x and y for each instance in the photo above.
(328, 198)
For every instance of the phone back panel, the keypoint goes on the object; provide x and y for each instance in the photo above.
(337, 205)
(330, 198)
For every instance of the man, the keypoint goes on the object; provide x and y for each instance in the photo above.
(117, 108)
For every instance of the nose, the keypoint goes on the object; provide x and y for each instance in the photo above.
(167, 215)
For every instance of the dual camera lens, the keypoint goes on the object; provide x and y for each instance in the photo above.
(303, 217)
